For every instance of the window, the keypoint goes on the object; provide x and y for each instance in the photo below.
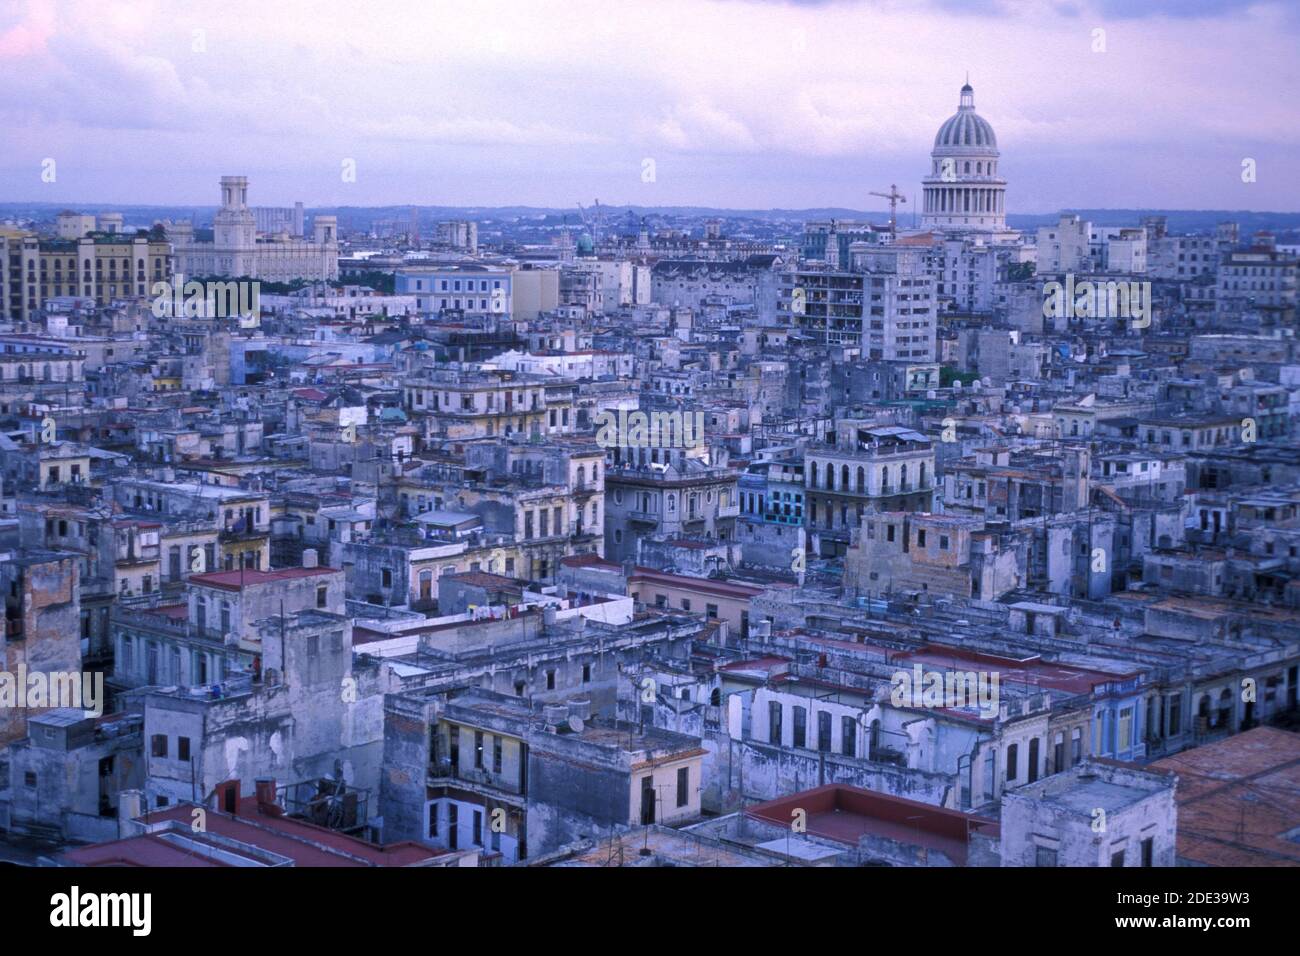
(1044, 856)
(496, 754)
(182, 748)
(586, 673)
(321, 594)
(683, 786)
(1117, 858)
(711, 611)
(1012, 755)
(478, 750)
(1076, 746)
(1148, 851)
(824, 731)
(159, 745)
(848, 736)
(686, 604)
(550, 680)
(773, 723)
(800, 726)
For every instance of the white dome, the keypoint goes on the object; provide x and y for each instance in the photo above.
(966, 128)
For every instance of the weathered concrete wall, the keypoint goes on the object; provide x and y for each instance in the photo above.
(403, 785)
(43, 626)
(1085, 838)
(581, 799)
(750, 771)
(770, 545)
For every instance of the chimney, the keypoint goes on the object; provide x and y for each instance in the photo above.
(130, 804)
(309, 558)
(554, 716)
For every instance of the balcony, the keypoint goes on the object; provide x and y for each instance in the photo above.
(236, 533)
(442, 772)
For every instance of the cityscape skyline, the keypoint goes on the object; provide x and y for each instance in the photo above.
(762, 434)
(1150, 116)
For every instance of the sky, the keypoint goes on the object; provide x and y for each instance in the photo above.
(725, 103)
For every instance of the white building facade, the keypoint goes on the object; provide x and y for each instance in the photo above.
(236, 251)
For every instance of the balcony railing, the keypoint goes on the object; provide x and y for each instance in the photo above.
(442, 770)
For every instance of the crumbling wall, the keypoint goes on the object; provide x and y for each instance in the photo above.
(749, 771)
(403, 781)
(571, 798)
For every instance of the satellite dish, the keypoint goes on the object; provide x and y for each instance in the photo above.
(576, 724)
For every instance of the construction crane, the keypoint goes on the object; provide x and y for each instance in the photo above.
(595, 223)
(894, 197)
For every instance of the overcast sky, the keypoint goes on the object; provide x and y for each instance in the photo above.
(738, 103)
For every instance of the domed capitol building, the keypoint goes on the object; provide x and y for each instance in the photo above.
(963, 192)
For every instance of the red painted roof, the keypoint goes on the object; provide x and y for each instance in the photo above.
(305, 843)
(847, 814)
(1032, 671)
(235, 580)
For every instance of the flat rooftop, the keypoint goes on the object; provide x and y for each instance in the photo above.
(1239, 800)
(847, 815)
(238, 580)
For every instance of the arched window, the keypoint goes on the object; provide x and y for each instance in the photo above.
(862, 479)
